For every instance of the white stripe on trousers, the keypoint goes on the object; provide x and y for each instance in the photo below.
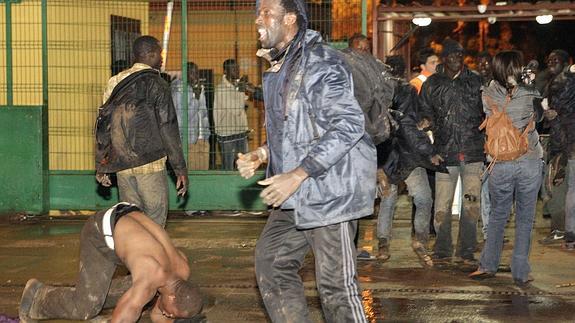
(349, 274)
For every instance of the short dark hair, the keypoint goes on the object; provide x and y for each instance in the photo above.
(484, 54)
(290, 6)
(563, 55)
(507, 64)
(188, 299)
(424, 54)
(144, 45)
(355, 37)
(192, 65)
(229, 63)
(397, 64)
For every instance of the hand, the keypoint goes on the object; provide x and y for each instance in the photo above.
(281, 187)
(103, 179)
(382, 183)
(550, 114)
(248, 163)
(557, 181)
(182, 185)
(423, 124)
(436, 160)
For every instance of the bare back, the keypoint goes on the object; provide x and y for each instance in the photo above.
(146, 249)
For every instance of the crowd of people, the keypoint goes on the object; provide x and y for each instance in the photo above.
(322, 161)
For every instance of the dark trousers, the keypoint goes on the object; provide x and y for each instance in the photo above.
(86, 299)
(444, 193)
(230, 147)
(280, 253)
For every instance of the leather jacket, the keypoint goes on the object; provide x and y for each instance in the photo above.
(456, 111)
(138, 125)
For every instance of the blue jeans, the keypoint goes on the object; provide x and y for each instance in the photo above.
(570, 203)
(485, 205)
(444, 190)
(418, 188)
(519, 179)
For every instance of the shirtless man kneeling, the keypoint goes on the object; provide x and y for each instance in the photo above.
(121, 235)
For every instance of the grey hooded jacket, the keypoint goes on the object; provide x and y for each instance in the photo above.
(314, 121)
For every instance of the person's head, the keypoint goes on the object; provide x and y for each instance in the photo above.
(484, 65)
(507, 66)
(427, 60)
(147, 50)
(397, 64)
(452, 56)
(278, 22)
(557, 60)
(359, 42)
(231, 69)
(193, 73)
(181, 300)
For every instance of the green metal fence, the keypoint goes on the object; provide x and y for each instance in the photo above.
(58, 56)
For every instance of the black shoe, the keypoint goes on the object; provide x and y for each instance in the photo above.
(546, 215)
(30, 290)
(522, 283)
(556, 236)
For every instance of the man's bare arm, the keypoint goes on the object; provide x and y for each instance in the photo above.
(130, 305)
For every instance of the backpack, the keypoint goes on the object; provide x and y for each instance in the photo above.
(374, 89)
(504, 141)
(102, 128)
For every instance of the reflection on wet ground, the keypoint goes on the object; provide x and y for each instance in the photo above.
(221, 253)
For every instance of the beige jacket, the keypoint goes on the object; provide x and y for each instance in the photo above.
(230, 116)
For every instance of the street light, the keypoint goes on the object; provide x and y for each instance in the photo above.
(421, 20)
(544, 19)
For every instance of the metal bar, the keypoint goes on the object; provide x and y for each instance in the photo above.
(490, 9)
(9, 67)
(185, 116)
(20, 106)
(477, 17)
(45, 158)
(364, 17)
(45, 52)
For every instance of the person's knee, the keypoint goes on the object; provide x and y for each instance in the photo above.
(423, 201)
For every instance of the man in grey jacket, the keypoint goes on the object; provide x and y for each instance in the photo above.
(320, 173)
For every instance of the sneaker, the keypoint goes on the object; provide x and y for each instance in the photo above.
(556, 236)
(30, 290)
(568, 245)
(363, 255)
(383, 250)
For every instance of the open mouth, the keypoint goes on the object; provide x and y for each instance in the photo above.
(262, 33)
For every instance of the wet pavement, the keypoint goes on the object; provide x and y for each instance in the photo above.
(221, 250)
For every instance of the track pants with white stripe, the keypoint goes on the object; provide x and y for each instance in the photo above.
(280, 253)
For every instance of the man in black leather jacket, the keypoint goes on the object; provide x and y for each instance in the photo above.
(404, 158)
(137, 131)
(451, 98)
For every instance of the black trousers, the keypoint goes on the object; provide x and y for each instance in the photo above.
(280, 252)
